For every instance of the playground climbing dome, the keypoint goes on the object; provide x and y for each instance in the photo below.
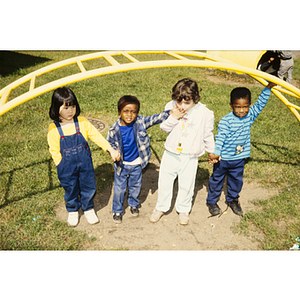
(244, 62)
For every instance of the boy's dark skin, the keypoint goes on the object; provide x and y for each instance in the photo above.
(240, 109)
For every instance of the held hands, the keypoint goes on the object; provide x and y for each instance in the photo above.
(177, 112)
(115, 154)
(213, 158)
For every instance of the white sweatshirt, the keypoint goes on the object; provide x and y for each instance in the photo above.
(194, 131)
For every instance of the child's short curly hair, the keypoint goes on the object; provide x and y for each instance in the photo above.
(187, 89)
(128, 99)
(240, 93)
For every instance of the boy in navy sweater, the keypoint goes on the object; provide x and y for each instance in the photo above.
(233, 146)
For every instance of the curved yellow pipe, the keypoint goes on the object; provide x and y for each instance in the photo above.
(179, 60)
(246, 58)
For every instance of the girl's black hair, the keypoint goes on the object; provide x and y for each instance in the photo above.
(187, 89)
(128, 99)
(240, 93)
(62, 95)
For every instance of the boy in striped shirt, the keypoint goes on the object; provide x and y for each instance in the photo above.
(232, 147)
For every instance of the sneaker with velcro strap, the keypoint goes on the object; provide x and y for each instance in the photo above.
(156, 215)
(183, 218)
(134, 211)
(91, 216)
(117, 217)
(73, 218)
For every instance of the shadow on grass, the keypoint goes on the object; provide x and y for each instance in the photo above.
(11, 61)
(11, 173)
(276, 154)
(104, 177)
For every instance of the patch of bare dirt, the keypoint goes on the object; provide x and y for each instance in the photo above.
(138, 233)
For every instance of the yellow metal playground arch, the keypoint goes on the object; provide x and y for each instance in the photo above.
(177, 59)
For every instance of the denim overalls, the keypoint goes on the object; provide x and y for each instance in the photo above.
(75, 170)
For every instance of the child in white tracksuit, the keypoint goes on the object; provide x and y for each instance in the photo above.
(190, 129)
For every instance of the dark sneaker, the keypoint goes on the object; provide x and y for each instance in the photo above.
(134, 211)
(235, 206)
(117, 218)
(214, 209)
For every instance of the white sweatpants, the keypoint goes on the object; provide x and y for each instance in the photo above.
(173, 165)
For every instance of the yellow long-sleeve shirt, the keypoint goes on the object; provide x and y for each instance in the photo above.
(86, 129)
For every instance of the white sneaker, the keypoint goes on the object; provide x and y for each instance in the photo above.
(156, 215)
(183, 218)
(91, 216)
(73, 218)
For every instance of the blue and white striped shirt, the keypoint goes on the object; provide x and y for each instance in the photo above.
(233, 138)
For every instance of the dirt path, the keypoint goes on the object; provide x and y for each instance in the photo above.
(138, 233)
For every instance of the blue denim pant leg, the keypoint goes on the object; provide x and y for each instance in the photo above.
(134, 185)
(234, 169)
(235, 179)
(69, 181)
(216, 182)
(131, 175)
(87, 186)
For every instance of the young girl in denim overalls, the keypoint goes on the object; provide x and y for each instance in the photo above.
(67, 139)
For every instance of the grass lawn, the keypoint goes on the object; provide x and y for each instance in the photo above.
(30, 190)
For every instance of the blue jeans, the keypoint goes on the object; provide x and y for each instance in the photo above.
(234, 169)
(130, 176)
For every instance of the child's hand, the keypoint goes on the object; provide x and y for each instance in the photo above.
(177, 113)
(270, 85)
(213, 158)
(115, 154)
